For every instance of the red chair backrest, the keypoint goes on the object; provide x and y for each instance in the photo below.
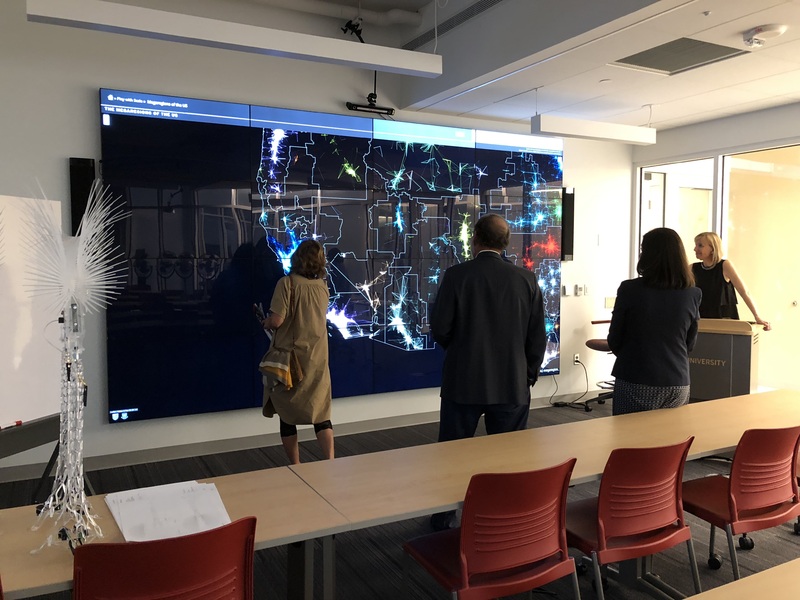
(514, 519)
(763, 472)
(640, 490)
(212, 565)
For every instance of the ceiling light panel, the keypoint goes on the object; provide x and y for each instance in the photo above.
(593, 130)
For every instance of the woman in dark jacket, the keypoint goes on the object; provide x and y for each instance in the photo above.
(654, 327)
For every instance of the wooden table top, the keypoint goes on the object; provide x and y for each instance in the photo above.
(286, 508)
(383, 487)
(775, 583)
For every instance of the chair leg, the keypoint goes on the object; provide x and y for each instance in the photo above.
(576, 592)
(693, 565)
(598, 577)
(732, 550)
(711, 542)
(407, 560)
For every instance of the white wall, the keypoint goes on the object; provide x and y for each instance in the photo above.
(761, 129)
(601, 175)
(48, 112)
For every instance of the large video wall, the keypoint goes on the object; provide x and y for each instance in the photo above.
(220, 194)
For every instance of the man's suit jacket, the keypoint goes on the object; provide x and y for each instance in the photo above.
(489, 318)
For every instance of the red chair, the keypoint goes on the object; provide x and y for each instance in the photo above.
(212, 565)
(511, 538)
(760, 493)
(797, 522)
(637, 512)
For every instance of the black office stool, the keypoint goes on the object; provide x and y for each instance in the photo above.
(601, 345)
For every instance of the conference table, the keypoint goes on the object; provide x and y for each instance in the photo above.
(320, 499)
(384, 487)
(288, 512)
(775, 583)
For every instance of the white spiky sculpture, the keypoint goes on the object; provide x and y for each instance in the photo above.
(81, 274)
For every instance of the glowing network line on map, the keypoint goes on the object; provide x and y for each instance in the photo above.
(549, 248)
(366, 290)
(275, 140)
(397, 321)
(394, 182)
(398, 218)
(348, 169)
(284, 251)
(531, 219)
(342, 322)
(465, 235)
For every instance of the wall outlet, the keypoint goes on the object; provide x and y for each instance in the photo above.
(576, 359)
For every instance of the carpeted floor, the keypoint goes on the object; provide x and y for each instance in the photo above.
(369, 562)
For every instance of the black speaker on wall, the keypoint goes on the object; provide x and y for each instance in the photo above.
(81, 177)
(567, 222)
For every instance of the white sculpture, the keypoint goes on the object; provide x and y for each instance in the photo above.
(82, 274)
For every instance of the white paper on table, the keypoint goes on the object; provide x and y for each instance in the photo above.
(166, 511)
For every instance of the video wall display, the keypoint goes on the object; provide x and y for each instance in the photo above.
(221, 194)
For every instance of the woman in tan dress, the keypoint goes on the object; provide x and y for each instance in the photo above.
(298, 318)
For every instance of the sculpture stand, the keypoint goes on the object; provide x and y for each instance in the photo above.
(67, 503)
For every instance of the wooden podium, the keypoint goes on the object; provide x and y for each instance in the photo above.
(724, 361)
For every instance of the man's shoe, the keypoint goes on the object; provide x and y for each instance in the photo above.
(443, 521)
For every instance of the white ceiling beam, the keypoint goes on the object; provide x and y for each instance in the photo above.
(187, 29)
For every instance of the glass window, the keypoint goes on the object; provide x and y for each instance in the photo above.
(679, 196)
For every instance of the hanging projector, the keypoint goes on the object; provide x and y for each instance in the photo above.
(371, 107)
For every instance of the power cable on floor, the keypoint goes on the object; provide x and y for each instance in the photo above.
(574, 403)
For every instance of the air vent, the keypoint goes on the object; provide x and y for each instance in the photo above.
(458, 19)
(678, 56)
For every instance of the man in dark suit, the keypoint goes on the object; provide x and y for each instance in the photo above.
(489, 318)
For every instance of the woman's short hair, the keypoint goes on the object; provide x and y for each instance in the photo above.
(662, 261)
(492, 231)
(308, 260)
(713, 240)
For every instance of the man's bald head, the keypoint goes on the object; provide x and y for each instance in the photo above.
(491, 233)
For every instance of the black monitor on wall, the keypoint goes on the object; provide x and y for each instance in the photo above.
(567, 223)
(220, 194)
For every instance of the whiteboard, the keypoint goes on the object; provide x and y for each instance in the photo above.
(30, 355)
